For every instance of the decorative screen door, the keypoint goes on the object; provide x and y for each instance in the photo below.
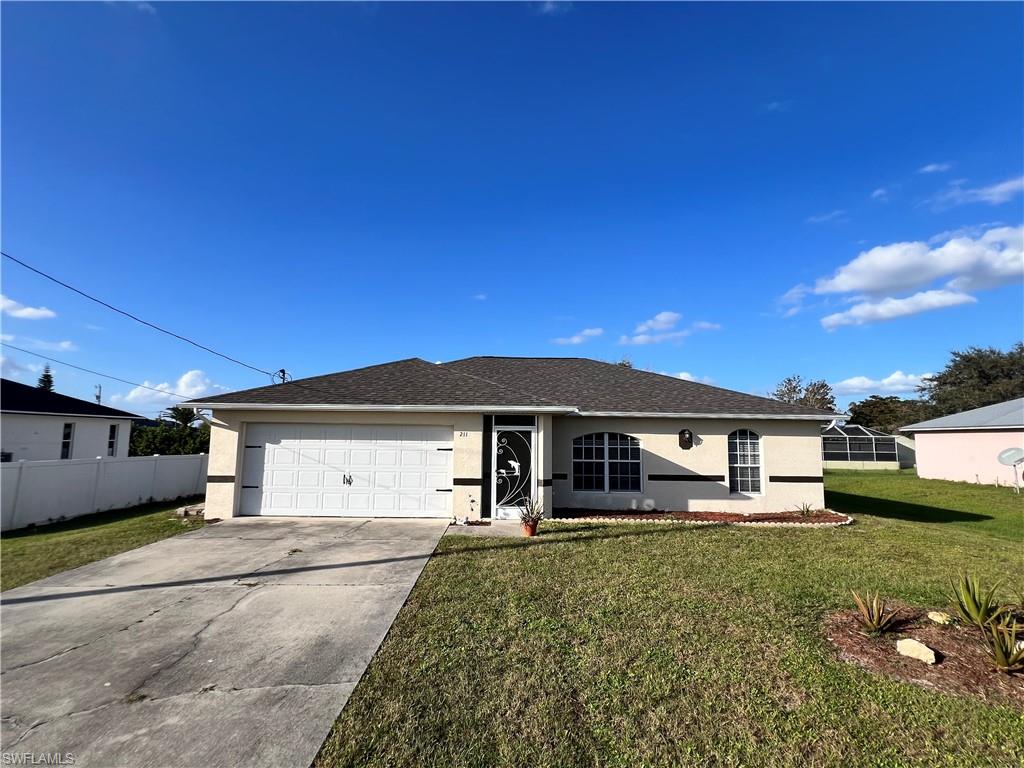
(514, 481)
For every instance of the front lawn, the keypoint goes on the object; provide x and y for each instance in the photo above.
(34, 553)
(633, 645)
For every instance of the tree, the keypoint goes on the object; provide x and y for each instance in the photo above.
(976, 377)
(813, 394)
(46, 379)
(169, 439)
(888, 414)
(183, 417)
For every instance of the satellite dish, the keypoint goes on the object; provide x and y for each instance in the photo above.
(1011, 456)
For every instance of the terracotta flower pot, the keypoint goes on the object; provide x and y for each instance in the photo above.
(529, 529)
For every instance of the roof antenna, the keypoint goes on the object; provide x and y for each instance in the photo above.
(99, 394)
(281, 376)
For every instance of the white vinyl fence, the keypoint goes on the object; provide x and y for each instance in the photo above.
(35, 492)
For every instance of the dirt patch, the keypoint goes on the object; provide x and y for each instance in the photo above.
(819, 517)
(964, 668)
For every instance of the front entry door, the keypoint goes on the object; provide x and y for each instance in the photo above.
(514, 481)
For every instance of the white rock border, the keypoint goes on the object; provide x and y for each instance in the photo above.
(753, 522)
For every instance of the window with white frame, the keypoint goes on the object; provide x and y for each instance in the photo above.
(744, 462)
(67, 440)
(606, 462)
(112, 440)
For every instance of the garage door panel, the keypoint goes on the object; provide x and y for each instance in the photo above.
(354, 470)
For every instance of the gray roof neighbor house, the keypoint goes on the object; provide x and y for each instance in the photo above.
(999, 416)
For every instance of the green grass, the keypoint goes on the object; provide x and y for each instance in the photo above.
(34, 553)
(643, 645)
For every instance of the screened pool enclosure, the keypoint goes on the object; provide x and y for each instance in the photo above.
(842, 444)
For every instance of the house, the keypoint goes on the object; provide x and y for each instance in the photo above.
(965, 446)
(36, 424)
(853, 446)
(476, 437)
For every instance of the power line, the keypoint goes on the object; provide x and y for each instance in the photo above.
(137, 319)
(97, 373)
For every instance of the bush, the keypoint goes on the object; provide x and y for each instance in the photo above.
(873, 614)
(1001, 643)
(974, 605)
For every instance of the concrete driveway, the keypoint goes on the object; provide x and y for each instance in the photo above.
(235, 645)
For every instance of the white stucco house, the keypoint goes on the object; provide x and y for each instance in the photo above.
(965, 446)
(476, 437)
(37, 425)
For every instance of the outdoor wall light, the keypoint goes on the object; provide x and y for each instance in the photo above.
(686, 439)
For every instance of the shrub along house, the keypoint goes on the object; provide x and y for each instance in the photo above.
(475, 437)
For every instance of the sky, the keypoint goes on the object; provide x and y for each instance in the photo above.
(725, 192)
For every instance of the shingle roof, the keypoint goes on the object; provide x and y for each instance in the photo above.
(21, 398)
(404, 382)
(557, 384)
(998, 416)
(595, 386)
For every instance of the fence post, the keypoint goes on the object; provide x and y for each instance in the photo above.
(96, 483)
(17, 493)
(152, 478)
(199, 474)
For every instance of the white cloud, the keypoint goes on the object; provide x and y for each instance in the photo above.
(837, 215)
(52, 346)
(14, 309)
(687, 376)
(776, 106)
(881, 195)
(6, 337)
(662, 321)
(190, 384)
(579, 338)
(480, 296)
(889, 309)
(146, 8)
(554, 7)
(935, 168)
(662, 327)
(895, 383)
(994, 194)
(993, 258)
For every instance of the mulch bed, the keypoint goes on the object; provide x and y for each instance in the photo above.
(963, 669)
(819, 517)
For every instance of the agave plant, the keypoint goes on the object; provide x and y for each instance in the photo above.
(874, 616)
(1002, 644)
(974, 605)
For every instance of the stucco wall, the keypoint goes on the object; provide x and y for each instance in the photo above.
(966, 456)
(226, 447)
(34, 437)
(788, 449)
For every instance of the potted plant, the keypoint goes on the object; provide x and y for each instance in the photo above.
(531, 512)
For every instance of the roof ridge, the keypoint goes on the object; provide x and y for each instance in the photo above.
(496, 383)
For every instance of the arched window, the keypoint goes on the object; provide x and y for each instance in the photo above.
(606, 462)
(744, 462)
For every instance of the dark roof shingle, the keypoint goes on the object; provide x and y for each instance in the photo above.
(514, 382)
(16, 397)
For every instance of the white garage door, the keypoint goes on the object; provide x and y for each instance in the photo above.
(347, 470)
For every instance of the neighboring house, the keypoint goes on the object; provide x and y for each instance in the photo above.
(852, 446)
(476, 437)
(37, 425)
(965, 446)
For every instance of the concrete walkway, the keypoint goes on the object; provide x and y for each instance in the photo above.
(235, 645)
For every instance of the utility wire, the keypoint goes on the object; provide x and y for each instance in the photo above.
(139, 320)
(97, 373)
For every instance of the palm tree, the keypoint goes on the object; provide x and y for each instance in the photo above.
(182, 417)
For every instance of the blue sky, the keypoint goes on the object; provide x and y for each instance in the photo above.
(737, 192)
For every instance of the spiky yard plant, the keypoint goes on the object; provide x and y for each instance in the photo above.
(874, 616)
(974, 604)
(1001, 643)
